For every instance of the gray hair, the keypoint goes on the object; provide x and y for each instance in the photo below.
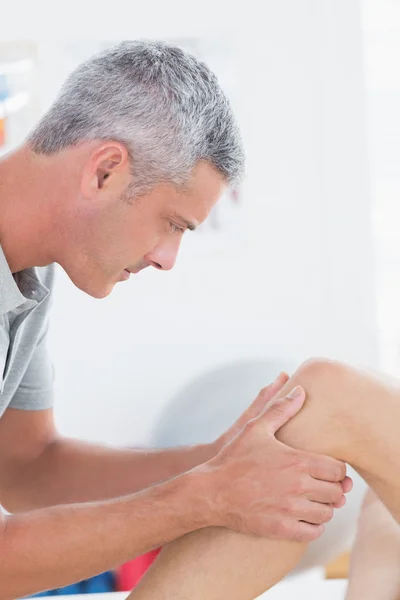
(163, 104)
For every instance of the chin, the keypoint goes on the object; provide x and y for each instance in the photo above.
(99, 293)
(95, 289)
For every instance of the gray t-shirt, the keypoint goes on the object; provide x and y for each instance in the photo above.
(26, 372)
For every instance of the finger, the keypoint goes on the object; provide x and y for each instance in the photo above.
(265, 395)
(254, 410)
(347, 485)
(326, 468)
(341, 502)
(322, 491)
(282, 410)
(306, 532)
(276, 385)
(314, 512)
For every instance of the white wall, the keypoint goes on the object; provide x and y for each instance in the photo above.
(297, 282)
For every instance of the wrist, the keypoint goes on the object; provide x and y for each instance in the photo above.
(194, 491)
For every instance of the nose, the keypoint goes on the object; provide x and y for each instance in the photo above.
(163, 256)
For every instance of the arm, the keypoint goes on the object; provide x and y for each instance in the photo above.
(54, 547)
(40, 468)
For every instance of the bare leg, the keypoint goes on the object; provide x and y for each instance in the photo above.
(374, 569)
(349, 415)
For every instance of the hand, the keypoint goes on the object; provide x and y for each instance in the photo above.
(253, 411)
(263, 487)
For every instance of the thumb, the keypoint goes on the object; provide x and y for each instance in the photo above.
(282, 410)
(265, 396)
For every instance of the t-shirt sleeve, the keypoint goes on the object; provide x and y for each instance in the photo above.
(36, 389)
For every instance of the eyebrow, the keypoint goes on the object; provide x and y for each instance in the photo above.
(189, 224)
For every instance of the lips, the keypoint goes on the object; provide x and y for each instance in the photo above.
(125, 274)
(132, 271)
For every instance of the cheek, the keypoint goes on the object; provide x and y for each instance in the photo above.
(140, 238)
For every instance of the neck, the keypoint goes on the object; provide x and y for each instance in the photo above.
(25, 215)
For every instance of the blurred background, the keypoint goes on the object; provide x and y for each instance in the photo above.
(302, 260)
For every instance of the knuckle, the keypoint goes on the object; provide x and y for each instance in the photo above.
(333, 472)
(328, 495)
(290, 507)
(300, 487)
(338, 474)
(337, 493)
(248, 428)
(277, 407)
(253, 427)
(250, 424)
(303, 465)
(297, 463)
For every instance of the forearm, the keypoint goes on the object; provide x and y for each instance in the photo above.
(70, 471)
(374, 567)
(53, 547)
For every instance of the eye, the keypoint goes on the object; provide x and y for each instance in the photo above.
(174, 228)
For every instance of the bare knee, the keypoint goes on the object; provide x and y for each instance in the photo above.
(322, 424)
(319, 368)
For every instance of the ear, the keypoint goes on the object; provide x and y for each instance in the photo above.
(107, 170)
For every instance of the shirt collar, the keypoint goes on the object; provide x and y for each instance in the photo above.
(21, 291)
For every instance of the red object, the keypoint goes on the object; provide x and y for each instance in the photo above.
(132, 572)
(2, 132)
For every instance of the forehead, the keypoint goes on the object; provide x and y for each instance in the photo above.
(203, 190)
(192, 202)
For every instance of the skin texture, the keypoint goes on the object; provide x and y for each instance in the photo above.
(77, 204)
(349, 414)
(72, 208)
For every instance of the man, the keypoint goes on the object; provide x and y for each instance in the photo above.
(137, 149)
